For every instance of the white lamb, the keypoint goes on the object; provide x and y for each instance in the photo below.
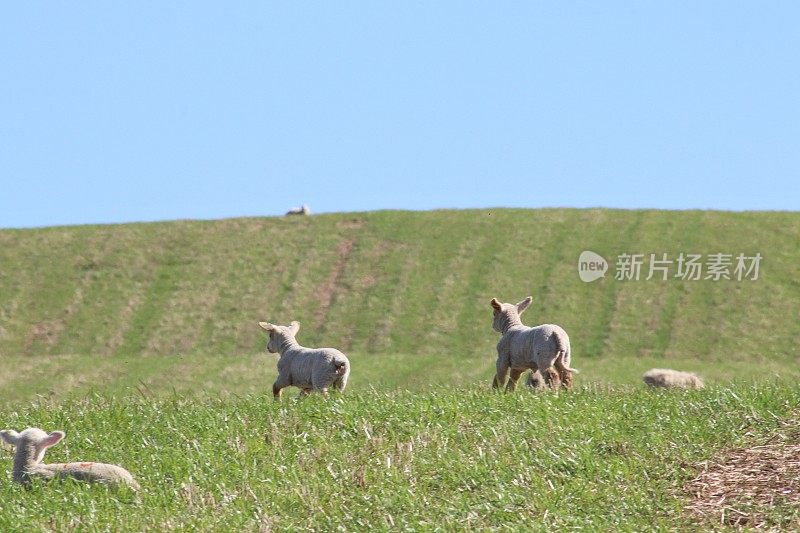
(543, 349)
(31, 446)
(672, 379)
(305, 368)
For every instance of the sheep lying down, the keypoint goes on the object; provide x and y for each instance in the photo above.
(672, 379)
(30, 447)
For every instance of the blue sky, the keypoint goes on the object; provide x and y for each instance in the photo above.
(161, 110)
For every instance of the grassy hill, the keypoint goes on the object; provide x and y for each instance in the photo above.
(161, 312)
(407, 289)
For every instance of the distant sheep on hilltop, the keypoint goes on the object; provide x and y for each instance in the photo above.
(302, 210)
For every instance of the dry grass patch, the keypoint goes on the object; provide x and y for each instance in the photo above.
(756, 487)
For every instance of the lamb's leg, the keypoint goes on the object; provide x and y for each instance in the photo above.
(502, 373)
(512, 382)
(322, 381)
(564, 375)
(551, 378)
(535, 380)
(341, 383)
(276, 390)
(281, 382)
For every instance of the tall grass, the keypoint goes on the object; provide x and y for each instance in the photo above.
(600, 458)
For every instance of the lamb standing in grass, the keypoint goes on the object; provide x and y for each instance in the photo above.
(31, 445)
(521, 348)
(672, 379)
(305, 368)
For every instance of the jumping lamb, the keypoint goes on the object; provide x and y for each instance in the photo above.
(305, 368)
(672, 379)
(521, 348)
(31, 445)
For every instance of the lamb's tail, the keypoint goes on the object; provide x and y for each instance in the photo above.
(561, 357)
(562, 351)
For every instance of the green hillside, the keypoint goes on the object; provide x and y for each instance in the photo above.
(388, 282)
(140, 341)
(397, 282)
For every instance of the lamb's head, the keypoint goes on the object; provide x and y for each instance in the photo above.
(279, 335)
(697, 383)
(507, 315)
(31, 443)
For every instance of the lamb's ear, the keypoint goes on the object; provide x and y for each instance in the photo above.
(523, 305)
(294, 327)
(266, 326)
(496, 303)
(10, 436)
(52, 439)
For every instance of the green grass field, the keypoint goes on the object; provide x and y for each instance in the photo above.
(71, 377)
(140, 341)
(597, 459)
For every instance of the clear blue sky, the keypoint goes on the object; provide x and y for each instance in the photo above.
(164, 110)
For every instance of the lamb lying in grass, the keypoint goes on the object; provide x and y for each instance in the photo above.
(305, 368)
(672, 379)
(31, 445)
(303, 210)
(540, 348)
